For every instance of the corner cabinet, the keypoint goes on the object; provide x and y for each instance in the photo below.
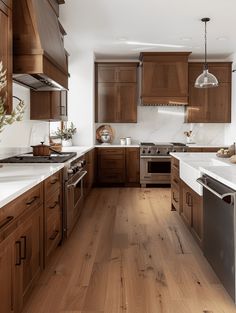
(116, 93)
(212, 105)
(164, 78)
(6, 48)
(48, 105)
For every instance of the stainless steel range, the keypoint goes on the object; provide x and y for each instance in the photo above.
(155, 161)
(73, 176)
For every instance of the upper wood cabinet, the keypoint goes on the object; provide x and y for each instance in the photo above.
(116, 93)
(6, 49)
(48, 105)
(212, 105)
(116, 73)
(164, 78)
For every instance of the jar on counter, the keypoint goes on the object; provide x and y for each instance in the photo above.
(128, 141)
(122, 141)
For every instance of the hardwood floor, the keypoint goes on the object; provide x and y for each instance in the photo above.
(129, 253)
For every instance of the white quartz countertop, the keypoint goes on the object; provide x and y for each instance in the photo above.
(196, 145)
(193, 165)
(117, 146)
(15, 179)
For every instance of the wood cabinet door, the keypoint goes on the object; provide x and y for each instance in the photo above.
(132, 165)
(165, 79)
(187, 208)
(127, 74)
(28, 256)
(6, 51)
(107, 103)
(55, 105)
(198, 108)
(6, 274)
(127, 103)
(106, 74)
(197, 216)
(64, 106)
(219, 104)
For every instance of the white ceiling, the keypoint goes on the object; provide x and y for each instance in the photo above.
(105, 26)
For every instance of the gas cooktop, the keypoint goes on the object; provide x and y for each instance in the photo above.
(29, 158)
(161, 148)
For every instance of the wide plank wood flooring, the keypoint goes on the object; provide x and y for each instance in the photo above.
(129, 254)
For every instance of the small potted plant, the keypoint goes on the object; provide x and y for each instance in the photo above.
(189, 136)
(65, 134)
(17, 113)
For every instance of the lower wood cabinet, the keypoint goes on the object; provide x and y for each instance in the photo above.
(193, 211)
(118, 165)
(30, 230)
(204, 149)
(28, 256)
(90, 168)
(186, 202)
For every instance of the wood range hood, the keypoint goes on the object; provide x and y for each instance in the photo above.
(39, 58)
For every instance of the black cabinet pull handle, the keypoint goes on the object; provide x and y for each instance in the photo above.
(6, 221)
(54, 235)
(24, 256)
(54, 205)
(32, 200)
(18, 259)
(177, 201)
(53, 182)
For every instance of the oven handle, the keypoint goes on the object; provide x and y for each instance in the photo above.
(203, 182)
(155, 157)
(78, 180)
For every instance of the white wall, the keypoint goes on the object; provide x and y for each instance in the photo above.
(26, 132)
(81, 96)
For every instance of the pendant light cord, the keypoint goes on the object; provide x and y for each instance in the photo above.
(206, 66)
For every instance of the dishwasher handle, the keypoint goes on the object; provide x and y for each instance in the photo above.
(202, 181)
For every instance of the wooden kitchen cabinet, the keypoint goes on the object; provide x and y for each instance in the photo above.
(116, 72)
(212, 105)
(28, 256)
(116, 93)
(6, 49)
(193, 212)
(204, 149)
(164, 78)
(6, 274)
(48, 105)
(132, 157)
(176, 186)
(90, 168)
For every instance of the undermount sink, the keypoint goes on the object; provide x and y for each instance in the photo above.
(190, 171)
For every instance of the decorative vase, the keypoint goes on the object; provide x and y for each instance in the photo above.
(66, 143)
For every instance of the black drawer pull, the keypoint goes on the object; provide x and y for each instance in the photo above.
(6, 221)
(176, 181)
(24, 256)
(18, 259)
(54, 205)
(53, 182)
(176, 200)
(54, 235)
(32, 200)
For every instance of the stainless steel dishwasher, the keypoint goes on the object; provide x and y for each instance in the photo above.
(219, 230)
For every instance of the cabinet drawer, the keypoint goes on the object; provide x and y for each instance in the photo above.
(29, 200)
(111, 176)
(111, 151)
(53, 204)
(116, 162)
(52, 184)
(53, 232)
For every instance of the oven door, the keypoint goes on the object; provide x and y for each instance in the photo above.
(155, 170)
(74, 195)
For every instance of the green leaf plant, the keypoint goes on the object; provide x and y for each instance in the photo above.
(17, 113)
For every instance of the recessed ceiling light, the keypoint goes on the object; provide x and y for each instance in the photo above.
(138, 43)
(186, 38)
(222, 38)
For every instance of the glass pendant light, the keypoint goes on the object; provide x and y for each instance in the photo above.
(206, 79)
